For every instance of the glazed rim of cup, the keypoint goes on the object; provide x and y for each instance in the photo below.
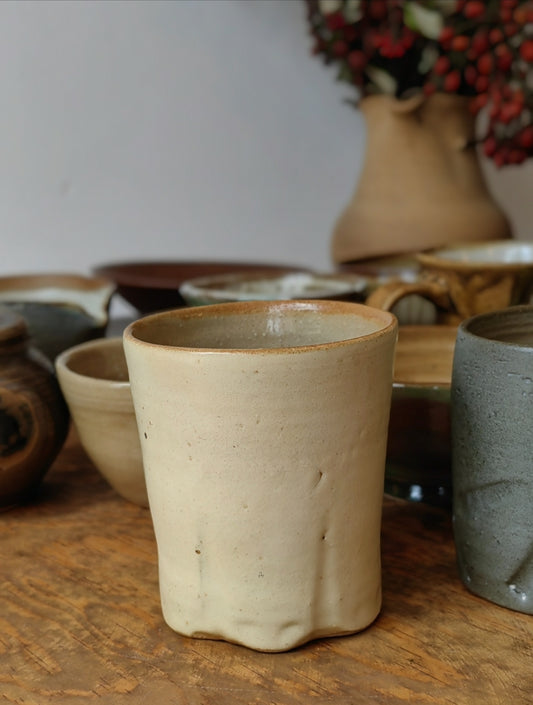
(511, 254)
(512, 326)
(188, 328)
(96, 360)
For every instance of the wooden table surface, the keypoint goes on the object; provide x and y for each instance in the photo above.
(80, 618)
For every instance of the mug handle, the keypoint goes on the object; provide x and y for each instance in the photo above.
(387, 295)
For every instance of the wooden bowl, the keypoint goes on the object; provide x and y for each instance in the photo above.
(419, 445)
(154, 286)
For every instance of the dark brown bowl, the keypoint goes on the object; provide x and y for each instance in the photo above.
(154, 286)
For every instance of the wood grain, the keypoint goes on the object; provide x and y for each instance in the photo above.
(80, 618)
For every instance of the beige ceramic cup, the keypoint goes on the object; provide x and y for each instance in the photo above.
(467, 279)
(94, 380)
(263, 428)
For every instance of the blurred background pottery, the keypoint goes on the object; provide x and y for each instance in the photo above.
(273, 286)
(154, 286)
(419, 443)
(492, 449)
(412, 309)
(34, 418)
(465, 279)
(60, 310)
(421, 162)
(94, 380)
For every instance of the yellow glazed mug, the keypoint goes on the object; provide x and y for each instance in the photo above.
(263, 429)
(467, 279)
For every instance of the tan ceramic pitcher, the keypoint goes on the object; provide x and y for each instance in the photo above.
(263, 429)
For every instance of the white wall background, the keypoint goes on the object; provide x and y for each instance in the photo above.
(180, 129)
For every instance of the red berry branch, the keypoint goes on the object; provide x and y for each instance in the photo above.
(481, 49)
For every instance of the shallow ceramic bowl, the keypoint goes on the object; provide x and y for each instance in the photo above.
(419, 445)
(94, 380)
(60, 310)
(273, 286)
(154, 286)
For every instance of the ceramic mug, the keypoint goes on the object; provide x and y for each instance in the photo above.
(263, 429)
(492, 451)
(467, 279)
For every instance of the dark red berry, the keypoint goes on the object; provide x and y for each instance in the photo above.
(526, 50)
(452, 81)
(442, 65)
(474, 9)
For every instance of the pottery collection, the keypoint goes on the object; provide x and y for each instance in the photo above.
(259, 412)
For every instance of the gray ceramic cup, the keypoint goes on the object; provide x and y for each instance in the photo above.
(492, 456)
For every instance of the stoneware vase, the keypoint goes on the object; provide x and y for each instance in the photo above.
(421, 184)
(94, 380)
(34, 418)
(263, 428)
(492, 451)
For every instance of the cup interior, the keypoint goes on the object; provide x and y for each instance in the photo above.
(513, 325)
(255, 325)
(101, 360)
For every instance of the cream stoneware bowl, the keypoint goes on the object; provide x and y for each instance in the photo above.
(263, 427)
(419, 443)
(94, 380)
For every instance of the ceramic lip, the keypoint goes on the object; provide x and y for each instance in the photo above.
(385, 322)
(90, 294)
(68, 359)
(497, 254)
(486, 328)
(268, 286)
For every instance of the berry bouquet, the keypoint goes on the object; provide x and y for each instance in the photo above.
(480, 49)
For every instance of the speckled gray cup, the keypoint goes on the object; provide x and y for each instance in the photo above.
(492, 456)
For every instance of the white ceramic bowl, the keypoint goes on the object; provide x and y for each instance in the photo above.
(273, 286)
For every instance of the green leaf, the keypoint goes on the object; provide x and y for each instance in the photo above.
(428, 57)
(382, 79)
(421, 19)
